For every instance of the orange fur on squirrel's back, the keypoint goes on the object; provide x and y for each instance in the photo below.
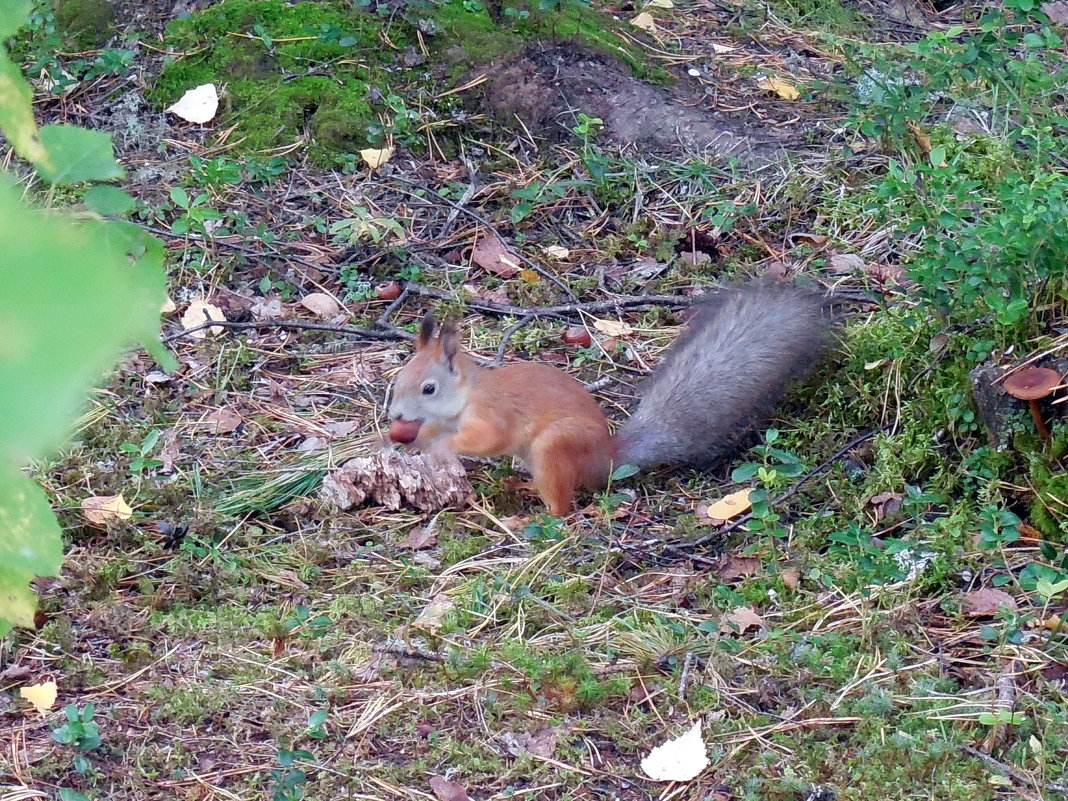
(530, 400)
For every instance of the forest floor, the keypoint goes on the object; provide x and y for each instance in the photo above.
(874, 632)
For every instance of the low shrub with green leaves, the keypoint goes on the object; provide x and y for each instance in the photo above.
(976, 121)
(77, 289)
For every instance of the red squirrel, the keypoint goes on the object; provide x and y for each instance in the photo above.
(721, 378)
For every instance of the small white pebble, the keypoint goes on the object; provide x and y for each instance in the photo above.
(694, 73)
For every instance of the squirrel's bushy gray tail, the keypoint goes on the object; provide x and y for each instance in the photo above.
(724, 375)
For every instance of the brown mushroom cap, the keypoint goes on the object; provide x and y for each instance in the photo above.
(1032, 383)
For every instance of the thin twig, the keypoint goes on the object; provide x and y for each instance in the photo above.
(1012, 772)
(385, 334)
(720, 533)
(482, 221)
(392, 308)
(508, 332)
(563, 310)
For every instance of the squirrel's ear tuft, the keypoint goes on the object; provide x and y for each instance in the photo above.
(450, 341)
(426, 331)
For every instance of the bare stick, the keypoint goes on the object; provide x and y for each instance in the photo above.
(563, 310)
(719, 533)
(482, 221)
(508, 335)
(385, 334)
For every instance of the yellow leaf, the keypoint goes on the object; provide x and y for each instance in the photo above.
(644, 21)
(430, 618)
(730, 506)
(740, 620)
(613, 328)
(102, 508)
(787, 91)
(200, 312)
(42, 696)
(529, 276)
(376, 158)
(923, 141)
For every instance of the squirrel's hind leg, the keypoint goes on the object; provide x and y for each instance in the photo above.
(560, 461)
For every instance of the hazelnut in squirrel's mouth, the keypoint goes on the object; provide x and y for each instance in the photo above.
(404, 431)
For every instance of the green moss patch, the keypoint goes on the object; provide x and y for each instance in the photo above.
(347, 78)
(84, 24)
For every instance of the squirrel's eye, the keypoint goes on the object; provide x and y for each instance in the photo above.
(429, 388)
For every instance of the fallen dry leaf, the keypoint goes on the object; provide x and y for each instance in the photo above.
(816, 240)
(433, 613)
(791, 577)
(541, 743)
(678, 760)
(446, 790)
(221, 421)
(492, 255)
(320, 304)
(730, 506)
(102, 508)
(787, 91)
(556, 252)
(740, 620)
(1057, 11)
(845, 263)
(721, 48)
(645, 21)
(392, 478)
(986, 602)
(376, 157)
(199, 312)
(168, 306)
(309, 444)
(15, 673)
(888, 274)
(42, 696)
(886, 504)
(731, 567)
(171, 450)
(1055, 671)
(423, 537)
(341, 428)
(198, 104)
(923, 141)
(613, 328)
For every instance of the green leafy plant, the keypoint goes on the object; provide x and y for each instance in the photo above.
(363, 226)
(81, 731)
(398, 123)
(587, 126)
(195, 212)
(987, 212)
(289, 782)
(97, 282)
(316, 720)
(142, 460)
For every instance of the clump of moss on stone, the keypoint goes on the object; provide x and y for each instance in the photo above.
(84, 24)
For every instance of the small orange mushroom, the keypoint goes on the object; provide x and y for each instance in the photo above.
(1031, 384)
